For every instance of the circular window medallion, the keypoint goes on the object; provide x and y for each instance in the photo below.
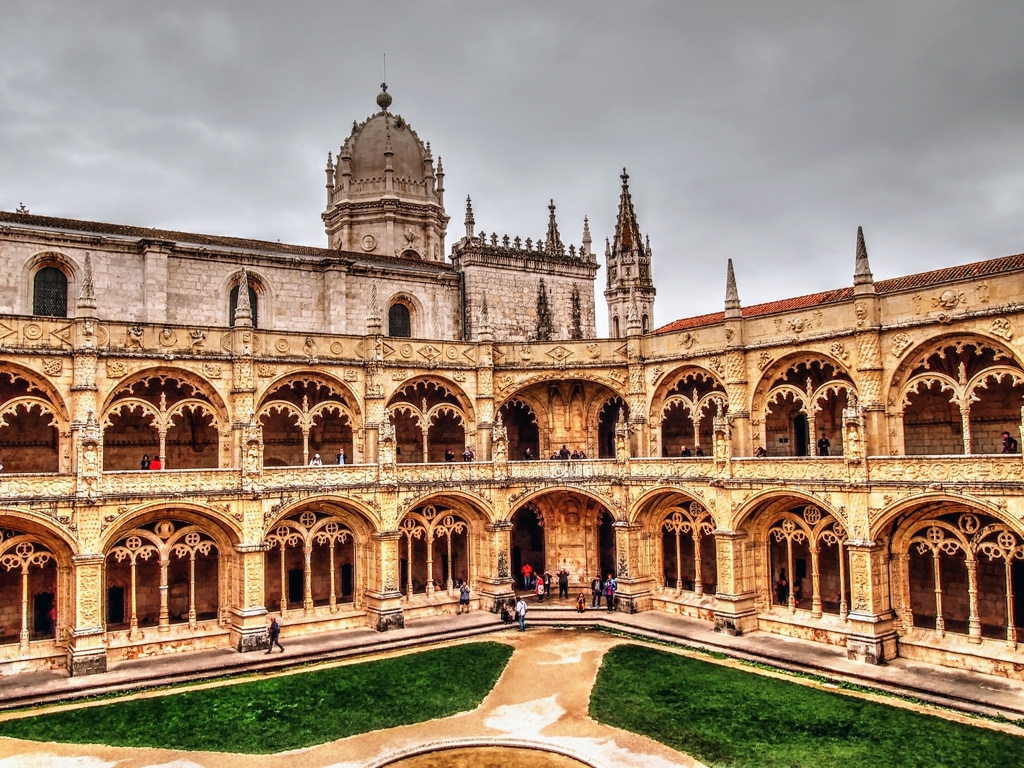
(33, 331)
(369, 242)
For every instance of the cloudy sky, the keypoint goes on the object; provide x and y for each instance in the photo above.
(761, 131)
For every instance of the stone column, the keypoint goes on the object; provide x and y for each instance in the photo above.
(737, 600)
(87, 654)
(249, 612)
(634, 592)
(494, 581)
(873, 635)
(383, 600)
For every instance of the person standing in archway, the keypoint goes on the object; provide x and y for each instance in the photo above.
(610, 586)
(563, 583)
(595, 592)
(527, 571)
(823, 445)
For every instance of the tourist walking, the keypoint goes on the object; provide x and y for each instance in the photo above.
(595, 592)
(463, 597)
(521, 614)
(274, 633)
(610, 585)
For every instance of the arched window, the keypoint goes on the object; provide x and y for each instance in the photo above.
(253, 304)
(50, 293)
(615, 328)
(399, 321)
(645, 324)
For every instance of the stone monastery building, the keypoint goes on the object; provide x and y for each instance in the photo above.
(237, 362)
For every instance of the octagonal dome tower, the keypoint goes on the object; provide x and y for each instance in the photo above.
(385, 195)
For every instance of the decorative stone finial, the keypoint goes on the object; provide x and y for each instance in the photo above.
(87, 296)
(384, 98)
(374, 323)
(483, 325)
(863, 280)
(243, 309)
(553, 241)
(732, 295)
(586, 251)
(470, 222)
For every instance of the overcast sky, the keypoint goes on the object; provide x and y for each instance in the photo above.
(761, 131)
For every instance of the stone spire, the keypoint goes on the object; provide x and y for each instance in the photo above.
(330, 178)
(732, 295)
(440, 182)
(87, 296)
(628, 266)
(374, 322)
(586, 251)
(863, 280)
(470, 221)
(553, 241)
(243, 309)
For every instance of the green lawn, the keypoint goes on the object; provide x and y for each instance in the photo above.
(286, 712)
(728, 717)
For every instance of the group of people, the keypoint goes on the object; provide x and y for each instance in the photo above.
(467, 455)
(698, 451)
(148, 463)
(562, 454)
(316, 461)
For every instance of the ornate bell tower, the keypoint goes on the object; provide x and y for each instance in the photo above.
(628, 261)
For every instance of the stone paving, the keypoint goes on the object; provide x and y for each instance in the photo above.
(540, 700)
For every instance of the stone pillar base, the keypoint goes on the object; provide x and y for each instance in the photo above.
(91, 662)
(494, 593)
(872, 642)
(632, 600)
(385, 611)
(387, 619)
(249, 630)
(735, 616)
(87, 655)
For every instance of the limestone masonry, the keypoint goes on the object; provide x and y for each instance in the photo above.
(832, 467)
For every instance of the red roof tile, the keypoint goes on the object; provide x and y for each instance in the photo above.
(893, 285)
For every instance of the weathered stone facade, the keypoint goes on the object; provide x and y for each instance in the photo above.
(907, 538)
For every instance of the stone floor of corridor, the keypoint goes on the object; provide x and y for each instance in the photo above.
(541, 699)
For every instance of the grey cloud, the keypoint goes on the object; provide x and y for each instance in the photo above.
(765, 132)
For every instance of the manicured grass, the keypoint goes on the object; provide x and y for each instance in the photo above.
(286, 712)
(727, 717)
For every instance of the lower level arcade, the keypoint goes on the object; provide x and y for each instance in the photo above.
(937, 579)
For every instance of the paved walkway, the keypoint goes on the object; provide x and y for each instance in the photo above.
(540, 700)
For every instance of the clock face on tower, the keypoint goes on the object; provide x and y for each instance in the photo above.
(369, 242)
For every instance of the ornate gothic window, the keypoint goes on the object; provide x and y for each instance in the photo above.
(399, 321)
(253, 299)
(50, 293)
